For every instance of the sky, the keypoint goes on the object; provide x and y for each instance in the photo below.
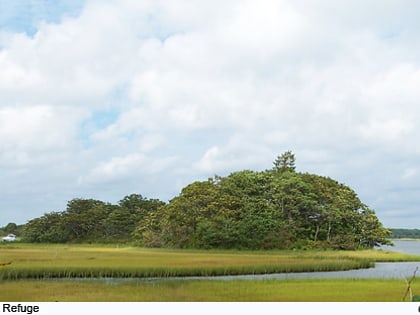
(102, 99)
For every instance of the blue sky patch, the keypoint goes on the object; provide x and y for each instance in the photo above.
(23, 16)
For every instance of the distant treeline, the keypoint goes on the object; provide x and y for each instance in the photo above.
(278, 208)
(405, 233)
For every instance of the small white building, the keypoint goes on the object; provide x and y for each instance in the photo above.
(9, 238)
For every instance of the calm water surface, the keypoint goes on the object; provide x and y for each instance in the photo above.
(399, 270)
(407, 247)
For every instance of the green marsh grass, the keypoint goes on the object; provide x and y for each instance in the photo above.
(326, 290)
(84, 261)
(54, 272)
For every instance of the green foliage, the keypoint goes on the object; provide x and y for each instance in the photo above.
(285, 162)
(91, 221)
(277, 208)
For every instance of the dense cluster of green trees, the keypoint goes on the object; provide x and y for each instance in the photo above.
(276, 208)
(89, 220)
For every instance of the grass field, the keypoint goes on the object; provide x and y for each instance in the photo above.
(83, 261)
(34, 269)
(206, 290)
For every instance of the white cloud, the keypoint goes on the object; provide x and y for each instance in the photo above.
(128, 168)
(38, 128)
(117, 167)
(207, 162)
(198, 88)
(387, 131)
(409, 173)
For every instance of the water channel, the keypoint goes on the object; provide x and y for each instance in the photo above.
(393, 270)
(398, 270)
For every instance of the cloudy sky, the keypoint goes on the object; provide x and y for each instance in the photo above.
(101, 99)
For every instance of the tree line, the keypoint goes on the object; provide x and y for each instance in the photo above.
(278, 208)
(405, 233)
(91, 221)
